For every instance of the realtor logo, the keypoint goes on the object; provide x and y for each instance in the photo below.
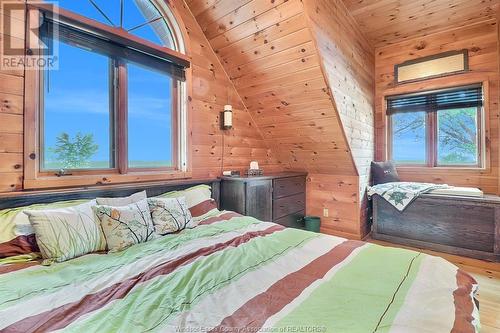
(28, 36)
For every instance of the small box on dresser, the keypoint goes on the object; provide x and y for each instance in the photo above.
(279, 198)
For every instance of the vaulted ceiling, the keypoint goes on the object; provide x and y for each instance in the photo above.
(389, 21)
(269, 53)
(305, 74)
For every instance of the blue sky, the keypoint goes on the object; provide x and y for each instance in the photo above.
(132, 17)
(409, 146)
(409, 149)
(77, 98)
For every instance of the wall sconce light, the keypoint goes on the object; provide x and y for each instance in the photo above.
(227, 122)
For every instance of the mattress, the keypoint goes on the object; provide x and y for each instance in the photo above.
(237, 274)
(458, 191)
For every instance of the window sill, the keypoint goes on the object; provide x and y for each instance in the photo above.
(103, 179)
(427, 169)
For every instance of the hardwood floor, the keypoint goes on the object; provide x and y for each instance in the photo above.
(487, 274)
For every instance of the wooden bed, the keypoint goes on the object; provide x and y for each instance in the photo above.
(233, 273)
(467, 226)
(12, 200)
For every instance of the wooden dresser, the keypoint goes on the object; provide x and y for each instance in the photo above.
(279, 198)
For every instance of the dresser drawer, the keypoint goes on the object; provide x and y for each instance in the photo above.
(271, 197)
(288, 205)
(284, 187)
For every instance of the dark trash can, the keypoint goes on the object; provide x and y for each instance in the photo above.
(312, 223)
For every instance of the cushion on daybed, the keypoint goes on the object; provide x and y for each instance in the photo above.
(459, 191)
(384, 172)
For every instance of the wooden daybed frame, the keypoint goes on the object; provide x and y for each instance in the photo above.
(467, 226)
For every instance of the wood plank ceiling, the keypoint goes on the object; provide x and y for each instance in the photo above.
(390, 21)
(268, 51)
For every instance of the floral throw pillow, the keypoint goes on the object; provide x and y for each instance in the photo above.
(125, 226)
(169, 214)
(66, 233)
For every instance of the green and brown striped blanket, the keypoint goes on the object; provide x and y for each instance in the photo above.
(237, 274)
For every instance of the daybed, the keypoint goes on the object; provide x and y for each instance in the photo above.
(460, 221)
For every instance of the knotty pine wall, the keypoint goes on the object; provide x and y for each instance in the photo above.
(286, 116)
(299, 82)
(212, 150)
(348, 64)
(11, 116)
(481, 39)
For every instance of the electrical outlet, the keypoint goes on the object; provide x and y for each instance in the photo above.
(325, 212)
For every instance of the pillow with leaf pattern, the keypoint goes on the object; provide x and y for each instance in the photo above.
(125, 226)
(66, 233)
(169, 214)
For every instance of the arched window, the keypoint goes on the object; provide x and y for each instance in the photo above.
(143, 18)
(114, 102)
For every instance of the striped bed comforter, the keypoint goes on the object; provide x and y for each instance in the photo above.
(237, 274)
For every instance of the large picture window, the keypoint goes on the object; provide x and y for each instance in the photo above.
(151, 121)
(77, 119)
(437, 129)
(115, 103)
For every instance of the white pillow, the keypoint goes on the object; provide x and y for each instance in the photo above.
(170, 214)
(17, 236)
(194, 195)
(123, 201)
(66, 233)
(199, 201)
(124, 226)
